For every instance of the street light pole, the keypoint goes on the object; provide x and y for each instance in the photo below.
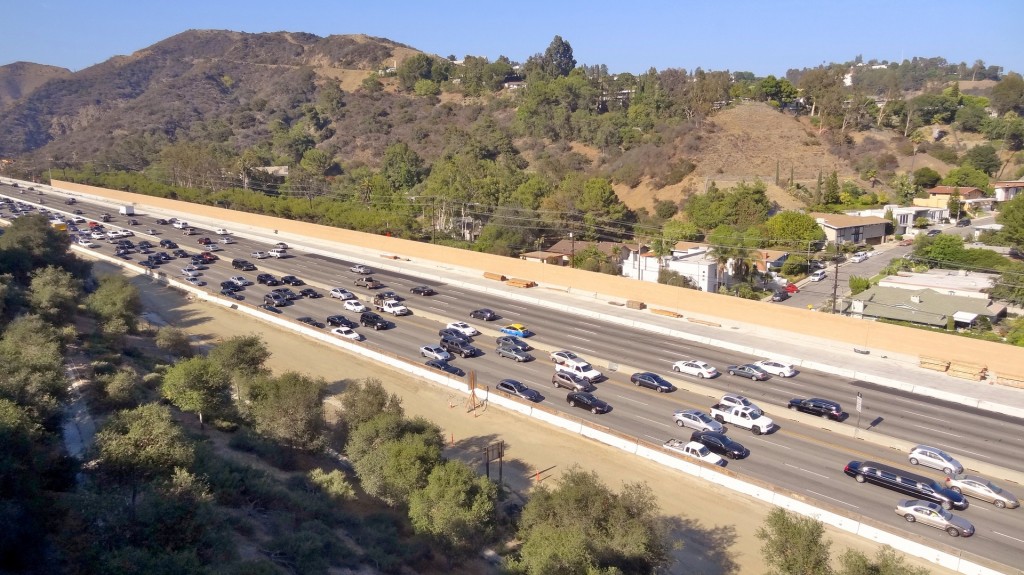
(572, 258)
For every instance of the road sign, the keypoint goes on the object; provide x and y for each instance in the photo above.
(860, 401)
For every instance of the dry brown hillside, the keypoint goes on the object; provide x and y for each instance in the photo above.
(20, 79)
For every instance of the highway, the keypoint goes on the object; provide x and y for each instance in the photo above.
(800, 458)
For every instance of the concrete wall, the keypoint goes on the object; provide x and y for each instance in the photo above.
(859, 333)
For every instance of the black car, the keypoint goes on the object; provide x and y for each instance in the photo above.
(147, 264)
(963, 223)
(450, 333)
(720, 443)
(180, 254)
(512, 341)
(230, 286)
(168, 244)
(459, 347)
(161, 222)
(817, 406)
(268, 307)
(933, 233)
(423, 290)
(144, 244)
(310, 322)
(267, 279)
(652, 381)
(570, 381)
(230, 293)
(340, 321)
(310, 293)
(894, 478)
(484, 314)
(374, 320)
(292, 281)
(588, 401)
(287, 293)
(163, 256)
(780, 296)
(445, 367)
(513, 387)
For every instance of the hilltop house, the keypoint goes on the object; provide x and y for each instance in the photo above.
(1006, 191)
(844, 228)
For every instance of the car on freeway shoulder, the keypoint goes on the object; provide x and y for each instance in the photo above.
(516, 329)
(484, 314)
(513, 387)
(512, 341)
(513, 353)
(310, 322)
(695, 367)
(750, 370)
(776, 367)
(347, 333)
(354, 305)
(588, 401)
(435, 352)
(652, 381)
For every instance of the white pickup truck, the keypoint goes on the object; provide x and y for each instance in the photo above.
(694, 450)
(746, 417)
(394, 307)
(581, 369)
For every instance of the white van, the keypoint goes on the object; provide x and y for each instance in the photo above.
(180, 224)
(278, 253)
(818, 275)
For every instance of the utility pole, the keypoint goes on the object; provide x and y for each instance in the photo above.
(835, 280)
(572, 258)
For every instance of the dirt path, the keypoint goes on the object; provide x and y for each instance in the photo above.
(717, 538)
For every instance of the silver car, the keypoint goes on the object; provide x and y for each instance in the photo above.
(980, 488)
(933, 515)
(513, 353)
(697, 419)
(935, 458)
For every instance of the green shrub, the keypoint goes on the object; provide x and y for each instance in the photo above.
(859, 284)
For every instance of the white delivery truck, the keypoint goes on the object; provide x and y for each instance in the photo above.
(126, 210)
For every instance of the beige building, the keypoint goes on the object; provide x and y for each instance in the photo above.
(842, 228)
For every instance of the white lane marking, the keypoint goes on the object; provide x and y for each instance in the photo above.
(928, 416)
(961, 449)
(1008, 536)
(776, 444)
(586, 349)
(652, 437)
(629, 399)
(662, 423)
(434, 308)
(806, 471)
(937, 430)
(777, 389)
(513, 306)
(833, 499)
(578, 337)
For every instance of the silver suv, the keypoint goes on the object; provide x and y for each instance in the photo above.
(697, 419)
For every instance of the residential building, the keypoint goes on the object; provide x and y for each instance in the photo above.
(950, 282)
(966, 193)
(543, 257)
(924, 306)
(844, 228)
(687, 259)
(615, 251)
(1006, 191)
(905, 216)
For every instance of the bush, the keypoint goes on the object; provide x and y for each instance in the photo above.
(940, 151)
(859, 284)
(334, 484)
(665, 209)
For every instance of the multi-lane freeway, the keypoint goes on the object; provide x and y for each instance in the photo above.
(800, 458)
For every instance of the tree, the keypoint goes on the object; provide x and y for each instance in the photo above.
(558, 59)
(831, 194)
(197, 385)
(116, 302)
(582, 527)
(334, 484)
(402, 167)
(926, 178)
(32, 368)
(53, 294)
(1008, 94)
(289, 409)
(365, 400)
(174, 341)
(141, 444)
(858, 284)
(399, 467)
(456, 507)
(794, 545)
(30, 243)
(886, 562)
(1011, 216)
(793, 230)
(955, 204)
(903, 188)
(245, 355)
(412, 69)
(984, 158)
(966, 177)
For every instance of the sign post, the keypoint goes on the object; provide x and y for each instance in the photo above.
(860, 405)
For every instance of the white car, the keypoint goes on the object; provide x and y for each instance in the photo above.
(212, 247)
(818, 276)
(435, 352)
(342, 294)
(354, 305)
(858, 257)
(195, 281)
(348, 333)
(733, 400)
(935, 458)
(776, 368)
(695, 367)
(560, 357)
(98, 236)
(260, 255)
(221, 232)
(463, 328)
(240, 281)
(360, 269)
(226, 240)
(87, 242)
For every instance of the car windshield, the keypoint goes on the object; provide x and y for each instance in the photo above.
(993, 488)
(515, 385)
(754, 368)
(703, 417)
(945, 514)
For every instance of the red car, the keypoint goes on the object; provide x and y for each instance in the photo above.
(791, 288)
(204, 241)
(208, 257)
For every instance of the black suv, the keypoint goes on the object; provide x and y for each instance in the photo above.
(267, 279)
(720, 443)
(244, 265)
(371, 319)
(916, 486)
(459, 347)
(819, 407)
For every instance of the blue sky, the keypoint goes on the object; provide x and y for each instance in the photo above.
(629, 36)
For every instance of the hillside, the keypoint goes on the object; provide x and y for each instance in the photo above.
(20, 79)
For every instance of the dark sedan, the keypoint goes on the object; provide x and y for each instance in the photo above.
(311, 322)
(513, 341)
(452, 334)
(513, 387)
(445, 367)
(720, 443)
(588, 401)
(310, 293)
(267, 279)
(423, 290)
(817, 406)
(292, 281)
(748, 370)
(341, 321)
(484, 314)
(652, 381)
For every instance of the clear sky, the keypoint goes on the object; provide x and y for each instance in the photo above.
(764, 37)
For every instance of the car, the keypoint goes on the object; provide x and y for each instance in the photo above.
(374, 320)
(697, 419)
(652, 381)
(981, 488)
(159, 222)
(445, 367)
(213, 248)
(275, 299)
(340, 321)
(513, 353)
(517, 389)
(368, 282)
(562, 356)
(168, 244)
(98, 236)
(904, 482)
(268, 307)
(231, 294)
(933, 515)
(750, 370)
(516, 329)
(588, 401)
(571, 381)
(289, 294)
(150, 265)
(776, 367)
(145, 244)
(189, 231)
(240, 281)
(780, 296)
(447, 333)
(386, 295)
(354, 305)
(464, 328)
(190, 269)
(281, 246)
(292, 281)
(204, 241)
(347, 332)
(208, 256)
(484, 314)
(734, 400)
(360, 269)
(342, 294)
(818, 275)
(512, 341)
(230, 285)
(906, 242)
(423, 290)
(701, 369)
(818, 407)
(310, 293)
(310, 322)
(963, 223)
(267, 279)
(933, 233)
(226, 240)
(721, 444)
(858, 257)
(435, 352)
(934, 458)
(221, 232)
(260, 255)
(180, 254)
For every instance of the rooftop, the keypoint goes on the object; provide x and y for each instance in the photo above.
(941, 280)
(948, 190)
(846, 221)
(924, 306)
